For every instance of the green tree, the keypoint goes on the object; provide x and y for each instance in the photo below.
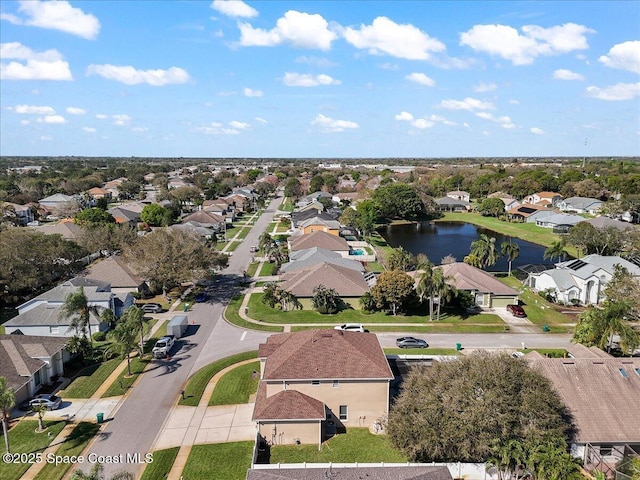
(473, 260)
(76, 308)
(491, 207)
(484, 248)
(367, 302)
(398, 200)
(39, 410)
(94, 216)
(556, 250)
(393, 290)
(399, 259)
(109, 238)
(78, 345)
(325, 300)
(624, 288)
(550, 461)
(425, 286)
(129, 189)
(154, 215)
(293, 188)
(97, 473)
(7, 402)
(510, 250)
(441, 288)
(316, 183)
(509, 459)
(123, 340)
(598, 325)
(134, 316)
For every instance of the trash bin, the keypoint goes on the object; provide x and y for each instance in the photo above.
(100, 417)
(458, 346)
(185, 307)
(545, 328)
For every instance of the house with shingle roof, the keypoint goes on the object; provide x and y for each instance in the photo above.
(299, 217)
(448, 204)
(311, 256)
(580, 205)
(318, 239)
(118, 273)
(206, 219)
(29, 362)
(606, 222)
(316, 383)
(487, 290)
(68, 230)
(529, 213)
(560, 222)
(123, 214)
(544, 199)
(319, 224)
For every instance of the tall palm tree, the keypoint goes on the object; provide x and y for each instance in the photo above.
(40, 410)
(123, 340)
(472, 260)
(556, 250)
(7, 401)
(551, 461)
(485, 249)
(511, 251)
(135, 316)
(441, 288)
(76, 308)
(424, 288)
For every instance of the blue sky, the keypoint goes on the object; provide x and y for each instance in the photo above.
(319, 79)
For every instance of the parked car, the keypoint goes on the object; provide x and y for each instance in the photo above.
(151, 307)
(411, 342)
(201, 297)
(351, 327)
(516, 310)
(52, 402)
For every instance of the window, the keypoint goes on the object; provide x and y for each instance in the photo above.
(336, 383)
(315, 382)
(36, 378)
(343, 412)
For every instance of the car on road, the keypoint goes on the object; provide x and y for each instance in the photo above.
(516, 310)
(351, 327)
(201, 297)
(411, 342)
(151, 307)
(52, 402)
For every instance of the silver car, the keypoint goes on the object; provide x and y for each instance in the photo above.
(411, 342)
(52, 402)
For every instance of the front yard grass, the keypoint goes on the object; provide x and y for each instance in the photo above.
(219, 461)
(268, 269)
(88, 380)
(236, 386)
(24, 439)
(286, 205)
(539, 311)
(233, 316)
(198, 382)
(357, 445)
(252, 268)
(162, 463)
(73, 445)
(429, 328)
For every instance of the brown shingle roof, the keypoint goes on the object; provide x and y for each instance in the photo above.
(325, 354)
(16, 356)
(206, 218)
(603, 402)
(287, 405)
(345, 281)
(466, 277)
(114, 271)
(319, 239)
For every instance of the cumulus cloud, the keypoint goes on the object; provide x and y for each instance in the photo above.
(89, 129)
(564, 74)
(484, 87)
(249, 92)
(75, 111)
(617, 92)
(298, 29)
(58, 15)
(522, 48)
(537, 131)
(54, 119)
(101, 116)
(384, 36)
(425, 122)
(468, 104)
(421, 79)
(121, 120)
(131, 76)
(504, 121)
(308, 80)
(217, 128)
(30, 65)
(404, 116)
(422, 123)
(329, 125)
(234, 8)
(34, 109)
(239, 125)
(623, 56)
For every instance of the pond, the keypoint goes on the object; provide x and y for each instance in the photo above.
(439, 239)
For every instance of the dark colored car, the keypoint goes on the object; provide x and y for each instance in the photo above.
(151, 307)
(516, 310)
(411, 342)
(201, 297)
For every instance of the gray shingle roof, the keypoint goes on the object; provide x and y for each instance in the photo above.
(45, 315)
(466, 277)
(347, 282)
(312, 256)
(115, 271)
(319, 239)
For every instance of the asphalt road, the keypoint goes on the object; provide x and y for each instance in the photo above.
(138, 420)
(484, 340)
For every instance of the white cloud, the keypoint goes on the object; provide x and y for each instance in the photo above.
(308, 80)
(58, 15)
(54, 119)
(404, 116)
(617, 92)
(216, 128)
(234, 8)
(131, 76)
(261, 120)
(504, 121)
(89, 129)
(537, 131)
(121, 120)
(624, 56)
(238, 125)
(248, 92)
(34, 109)
(468, 104)
(564, 74)
(299, 29)
(422, 123)
(30, 65)
(421, 79)
(521, 49)
(101, 116)
(384, 36)
(329, 125)
(484, 87)
(75, 111)
(514, 102)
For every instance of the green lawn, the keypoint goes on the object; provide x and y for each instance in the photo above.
(236, 386)
(538, 310)
(24, 439)
(287, 205)
(219, 461)
(548, 352)
(268, 269)
(251, 269)
(430, 328)
(232, 316)
(162, 463)
(357, 445)
(74, 444)
(233, 245)
(243, 233)
(89, 380)
(374, 267)
(1, 329)
(198, 382)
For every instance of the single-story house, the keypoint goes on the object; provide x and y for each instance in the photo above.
(319, 239)
(582, 281)
(97, 193)
(123, 214)
(68, 230)
(529, 213)
(350, 197)
(316, 383)
(306, 206)
(29, 362)
(448, 204)
(118, 273)
(488, 291)
(606, 222)
(204, 231)
(580, 205)
(459, 195)
(560, 222)
(206, 219)
(300, 259)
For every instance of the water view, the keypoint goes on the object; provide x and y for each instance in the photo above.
(440, 239)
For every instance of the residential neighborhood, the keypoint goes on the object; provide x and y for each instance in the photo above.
(292, 303)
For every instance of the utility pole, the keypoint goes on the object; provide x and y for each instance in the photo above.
(584, 158)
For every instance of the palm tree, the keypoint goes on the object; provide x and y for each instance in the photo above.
(472, 260)
(123, 340)
(135, 316)
(511, 251)
(76, 307)
(485, 249)
(7, 401)
(424, 287)
(597, 326)
(40, 410)
(97, 473)
(551, 461)
(441, 288)
(556, 250)
(508, 459)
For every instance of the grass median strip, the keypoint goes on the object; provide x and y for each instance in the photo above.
(219, 461)
(233, 316)
(236, 386)
(199, 381)
(162, 463)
